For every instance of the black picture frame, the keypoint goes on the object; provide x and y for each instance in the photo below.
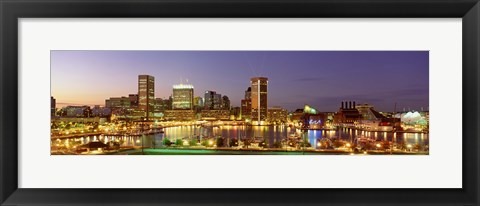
(12, 10)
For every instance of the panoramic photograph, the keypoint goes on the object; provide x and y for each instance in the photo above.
(169, 102)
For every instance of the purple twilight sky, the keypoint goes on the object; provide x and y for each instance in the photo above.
(321, 79)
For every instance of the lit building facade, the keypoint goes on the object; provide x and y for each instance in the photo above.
(277, 115)
(179, 115)
(215, 115)
(259, 99)
(182, 97)
(118, 102)
(347, 114)
(146, 94)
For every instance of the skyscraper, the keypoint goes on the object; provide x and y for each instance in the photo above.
(182, 96)
(146, 94)
(213, 101)
(246, 104)
(225, 102)
(259, 88)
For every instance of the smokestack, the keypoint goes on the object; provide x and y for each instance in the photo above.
(342, 104)
(350, 105)
(354, 106)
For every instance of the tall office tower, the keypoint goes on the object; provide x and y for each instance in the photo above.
(248, 93)
(259, 88)
(225, 102)
(213, 101)
(246, 104)
(146, 94)
(217, 101)
(208, 97)
(182, 96)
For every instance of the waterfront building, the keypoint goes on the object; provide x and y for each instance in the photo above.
(146, 94)
(53, 106)
(259, 99)
(179, 115)
(76, 111)
(99, 120)
(347, 114)
(373, 120)
(414, 118)
(128, 113)
(212, 115)
(182, 97)
(277, 115)
(236, 112)
(368, 112)
(314, 121)
(296, 116)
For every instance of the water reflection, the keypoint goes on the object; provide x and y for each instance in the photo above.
(271, 133)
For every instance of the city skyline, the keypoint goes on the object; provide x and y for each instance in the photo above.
(321, 79)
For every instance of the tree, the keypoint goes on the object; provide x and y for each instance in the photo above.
(166, 142)
(205, 143)
(193, 142)
(220, 142)
(233, 142)
(247, 142)
(337, 143)
(277, 144)
(263, 143)
(179, 142)
(305, 143)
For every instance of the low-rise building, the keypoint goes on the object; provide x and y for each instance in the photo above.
(179, 115)
(277, 115)
(211, 115)
(76, 111)
(118, 102)
(347, 114)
